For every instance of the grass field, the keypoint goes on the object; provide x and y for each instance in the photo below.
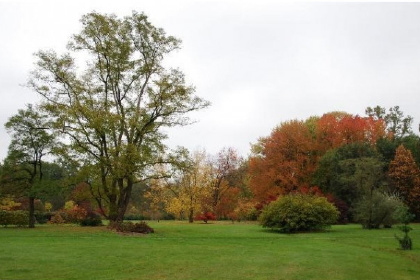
(221, 250)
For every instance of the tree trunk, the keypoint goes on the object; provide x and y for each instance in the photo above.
(191, 216)
(31, 212)
(118, 206)
(112, 208)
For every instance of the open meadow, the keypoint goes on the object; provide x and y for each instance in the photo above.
(221, 250)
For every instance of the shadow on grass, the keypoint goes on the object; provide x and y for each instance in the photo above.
(279, 231)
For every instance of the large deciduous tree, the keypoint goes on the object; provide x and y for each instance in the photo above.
(31, 141)
(110, 113)
(282, 162)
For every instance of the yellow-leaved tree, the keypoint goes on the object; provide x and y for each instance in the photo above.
(191, 189)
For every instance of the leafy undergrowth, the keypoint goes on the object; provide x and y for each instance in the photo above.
(178, 250)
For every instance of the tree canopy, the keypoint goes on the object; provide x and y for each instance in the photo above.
(31, 141)
(110, 113)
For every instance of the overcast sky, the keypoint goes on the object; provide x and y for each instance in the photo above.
(258, 62)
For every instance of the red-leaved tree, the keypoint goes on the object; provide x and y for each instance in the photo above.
(205, 217)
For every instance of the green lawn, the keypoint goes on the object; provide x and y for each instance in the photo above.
(215, 251)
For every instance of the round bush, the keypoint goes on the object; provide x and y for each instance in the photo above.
(299, 212)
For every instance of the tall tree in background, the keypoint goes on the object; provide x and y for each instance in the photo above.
(337, 129)
(110, 114)
(191, 188)
(337, 169)
(325, 131)
(399, 132)
(31, 141)
(282, 162)
(405, 178)
(222, 166)
(398, 125)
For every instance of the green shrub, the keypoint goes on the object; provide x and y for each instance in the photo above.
(18, 218)
(405, 242)
(42, 217)
(376, 209)
(299, 212)
(403, 215)
(91, 220)
(5, 218)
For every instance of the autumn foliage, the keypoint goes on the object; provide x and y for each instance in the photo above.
(337, 156)
(205, 217)
(287, 159)
(334, 130)
(405, 178)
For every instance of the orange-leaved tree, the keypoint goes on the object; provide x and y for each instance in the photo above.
(283, 161)
(337, 129)
(405, 178)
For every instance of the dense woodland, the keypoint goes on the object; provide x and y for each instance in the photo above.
(94, 146)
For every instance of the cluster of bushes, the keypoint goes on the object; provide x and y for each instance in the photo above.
(18, 218)
(77, 215)
(130, 227)
(17, 213)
